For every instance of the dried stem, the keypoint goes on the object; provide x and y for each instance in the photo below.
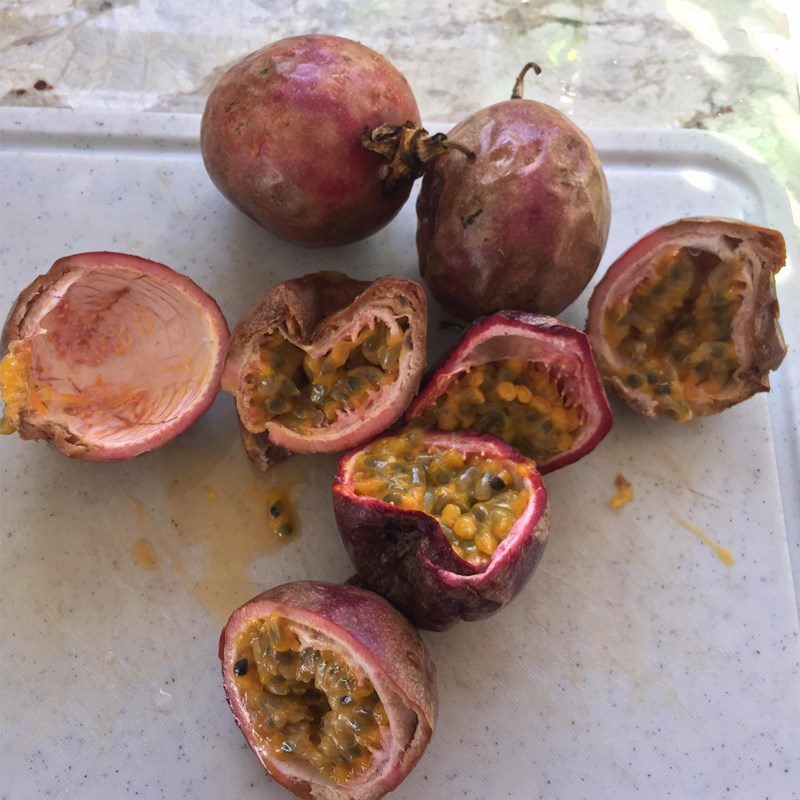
(519, 84)
(407, 149)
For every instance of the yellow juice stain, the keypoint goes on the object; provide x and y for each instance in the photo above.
(210, 494)
(221, 540)
(722, 553)
(144, 554)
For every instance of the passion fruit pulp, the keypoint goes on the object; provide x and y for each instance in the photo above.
(529, 380)
(444, 525)
(332, 689)
(685, 323)
(325, 362)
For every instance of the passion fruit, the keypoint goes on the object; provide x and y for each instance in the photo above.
(324, 363)
(528, 379)
(281, 132)
(445, 526)
(685, 323)
(521, 225)
(110, 355)
(332, 689)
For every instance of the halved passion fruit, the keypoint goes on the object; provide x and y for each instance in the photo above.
(110, 355)
(325, 362)
(332, 689)
(444, 525)
(685, 323)
(528, 379)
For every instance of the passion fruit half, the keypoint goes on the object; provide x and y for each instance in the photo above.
(445, 526)
(529, 379)
(685, 323)
(332, 689)
(110, 355)
(324, 363)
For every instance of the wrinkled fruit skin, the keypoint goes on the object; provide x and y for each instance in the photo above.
(280, 138)
(532, 337)
(756, 332)
(404, 555)
(521, 226)
(314, 312)
(376, 638)
(125, 354)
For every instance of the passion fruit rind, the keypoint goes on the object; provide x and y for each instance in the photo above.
(325, 362)
(343, 647)
(81, 356)
(698, 295)
(405, 555)
(560, 351)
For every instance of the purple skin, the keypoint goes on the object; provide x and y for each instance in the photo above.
(515, 334)
(523, 224)
(376, 638)
(405, 556)
(280, 138)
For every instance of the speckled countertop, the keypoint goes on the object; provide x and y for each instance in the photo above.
(725, 65)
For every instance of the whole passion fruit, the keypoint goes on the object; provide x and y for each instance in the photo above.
(281, 133)
(332, 689)
(445, 526)
(685, 323)
(528, 379)
(521, 225)
(324, 363)
(110, 355)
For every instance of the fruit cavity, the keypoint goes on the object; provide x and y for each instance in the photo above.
(307, 703)
(475, 497)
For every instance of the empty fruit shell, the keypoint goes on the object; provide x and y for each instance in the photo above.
(446, 526)
(110, 355)
(324, 363)
(685, 323)
(331, 687)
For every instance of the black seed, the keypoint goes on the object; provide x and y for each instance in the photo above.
(240, 667)
(497, 483)
(665, 387)
(275, 509)
(702, 368)
(285, 530)
(717, 350)
(652, 377)
(634, 381)
(287, 747)
(345, 699)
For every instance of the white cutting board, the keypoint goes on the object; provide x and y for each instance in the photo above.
(634, 664)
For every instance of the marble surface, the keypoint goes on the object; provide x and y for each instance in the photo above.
(634, 664)
(724, 65)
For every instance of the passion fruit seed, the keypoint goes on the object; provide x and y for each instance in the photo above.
(306, 703)
(475, 498)
(516, 400)
(279, 513)
(674, 331)
(301, 392)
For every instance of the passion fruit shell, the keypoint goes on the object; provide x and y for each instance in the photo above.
(685, 322)
(554, 411)
(404, 553)
(280, 138)
(353, 353)
(332, 689)
(109, 356)
(523, 224)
